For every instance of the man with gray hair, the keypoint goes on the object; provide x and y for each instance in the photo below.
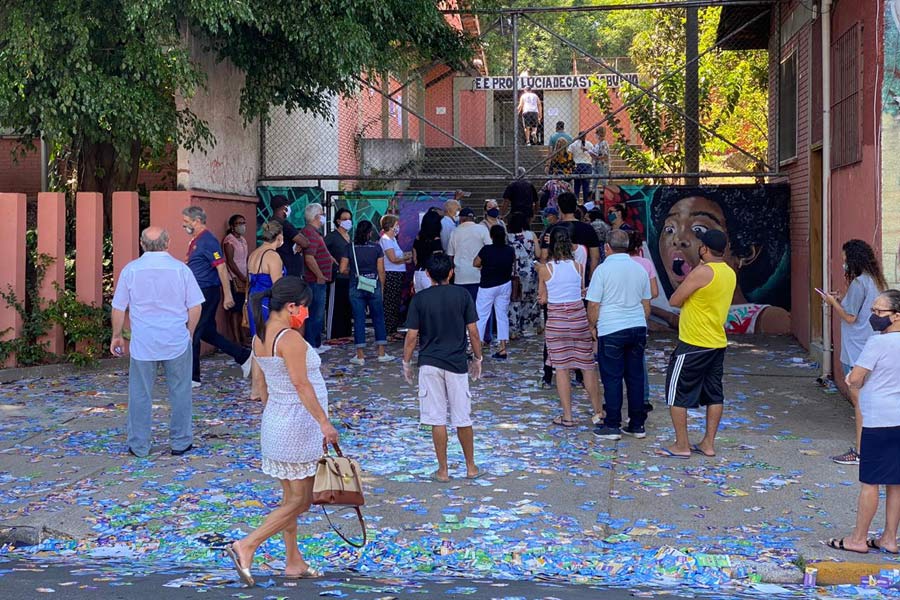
(319, 263)
(163, 300)
(450, 220)
(207, 263)
(618, 308)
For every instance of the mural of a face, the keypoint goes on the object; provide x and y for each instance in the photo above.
(678, 243)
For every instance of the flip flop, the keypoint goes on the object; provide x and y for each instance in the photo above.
(477, 475)
(242, 572)
(873, 544)
(563, 422)
(309, 573)
(666, 453)
(696, 450)
(838, 544)
(433, 477)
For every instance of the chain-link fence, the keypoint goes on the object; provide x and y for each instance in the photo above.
(677, 92)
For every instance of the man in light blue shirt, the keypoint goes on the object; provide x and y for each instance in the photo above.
(163, 299)
(618, 307)
(560, 133)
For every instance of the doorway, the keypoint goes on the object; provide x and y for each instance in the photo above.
(504, 120)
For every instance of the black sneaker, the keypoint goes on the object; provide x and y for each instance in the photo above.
(180, 452)
(607, 433)
(636, 432)
(648, 407)
(850, 457)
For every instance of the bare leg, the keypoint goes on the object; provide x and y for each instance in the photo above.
(360, 353)
(682, 444)
(888, 539)
(564, 389)
(277, 520)
(857, 415)
(439, 437)
(713, 416)
(294, 562)
(467, 441)
(592, 385)
(865, 512)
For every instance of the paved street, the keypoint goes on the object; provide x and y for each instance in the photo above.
(557, 503)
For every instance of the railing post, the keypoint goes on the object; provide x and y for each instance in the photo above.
(89, 247)
(12, 267)
(51, 230)
(125, 234)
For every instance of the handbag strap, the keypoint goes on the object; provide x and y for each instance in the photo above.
(337, 449)
(355, 261)
(362, 525)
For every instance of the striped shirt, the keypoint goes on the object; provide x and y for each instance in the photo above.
(319, 251)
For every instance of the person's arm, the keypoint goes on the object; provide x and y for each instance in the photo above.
(543, 275)
(381, 277)
(301, 241)
(313, 266)
(392, 256)
(274, 266)
(193, 318)
(117, 343)
(409, 347)
(294, 352)
(521, 105)
(593, 314)
(654, 288)
(696, 279)
(646, 304)
(839, 309)
(594, 260)
(540, 109)
(228, 301)
(477, 262)
(857, 377)
(232, 266)
(259, 382)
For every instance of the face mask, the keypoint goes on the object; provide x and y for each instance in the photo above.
(844, 266)
(298, 319)
(319, 222)
(879, 323)
(347, 225)
(287, 212)
(189, 229)
(612, 217)
(396, 230)
(493, 213)
(240, 229)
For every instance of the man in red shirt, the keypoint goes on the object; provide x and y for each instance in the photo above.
(317, 274)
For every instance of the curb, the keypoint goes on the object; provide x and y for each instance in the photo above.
(22, 535)
(56, 370)
(840, 573)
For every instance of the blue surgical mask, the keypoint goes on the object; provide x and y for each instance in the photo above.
(287, 212)
(347, 224)
(493, 213)
(612, 216)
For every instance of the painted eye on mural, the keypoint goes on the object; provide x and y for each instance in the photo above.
(699, 229)
(669, 230)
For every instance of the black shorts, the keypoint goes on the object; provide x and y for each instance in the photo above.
(694, 377)
(531, 119)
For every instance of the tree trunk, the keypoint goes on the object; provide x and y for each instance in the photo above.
(102, 170)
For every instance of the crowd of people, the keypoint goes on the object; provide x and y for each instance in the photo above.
(582, 283)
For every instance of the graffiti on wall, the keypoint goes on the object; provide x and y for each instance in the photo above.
(300, 197)
(756, 220)
(411, 207)
(890, 145)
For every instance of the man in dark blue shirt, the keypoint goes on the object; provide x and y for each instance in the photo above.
(207, 263)
(293, 261)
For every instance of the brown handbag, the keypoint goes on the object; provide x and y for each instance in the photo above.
(337, 483)
(516, 293)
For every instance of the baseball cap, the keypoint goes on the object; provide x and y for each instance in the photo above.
(714, 239)
(551, 210)
(467, 212)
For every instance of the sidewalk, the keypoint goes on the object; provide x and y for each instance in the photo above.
(557, 502)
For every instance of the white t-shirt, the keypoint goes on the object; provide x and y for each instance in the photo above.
(581, 155)
(879, 398)
(620, 286)
(530, 102)
(157, 290)
(465, 243)
(390, 266)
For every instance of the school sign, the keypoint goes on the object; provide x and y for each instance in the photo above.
(549, 82)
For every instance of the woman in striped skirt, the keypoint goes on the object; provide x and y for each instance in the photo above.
(570, 340)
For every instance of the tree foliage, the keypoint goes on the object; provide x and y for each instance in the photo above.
(99, 78)
(733, 97)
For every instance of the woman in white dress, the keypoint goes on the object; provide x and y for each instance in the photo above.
(294, 421)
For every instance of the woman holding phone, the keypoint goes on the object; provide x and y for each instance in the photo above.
(865, 282)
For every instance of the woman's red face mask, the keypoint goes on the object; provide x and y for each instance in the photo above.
(299, 317)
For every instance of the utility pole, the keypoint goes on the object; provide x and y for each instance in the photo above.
(691, 97)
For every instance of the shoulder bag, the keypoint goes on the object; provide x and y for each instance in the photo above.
(337, 483)
(364, 284)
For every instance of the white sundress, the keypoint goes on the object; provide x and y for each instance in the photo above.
(290, 437)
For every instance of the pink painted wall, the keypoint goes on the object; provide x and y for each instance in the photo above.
(472, 111)
(439, 95)
(12, 267)
(22, 176)
(589, 114)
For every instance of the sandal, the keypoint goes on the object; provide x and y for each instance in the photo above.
(309, 573)
(838, 544)
(243, 572)
(873, 544)
(563, 422)
(500, 355)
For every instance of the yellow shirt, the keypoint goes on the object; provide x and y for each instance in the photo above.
(703, 315)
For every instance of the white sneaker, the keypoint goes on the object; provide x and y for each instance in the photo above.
(323, 349)
(357, 361)
(385, 358)
(195, 384)
(245, 368)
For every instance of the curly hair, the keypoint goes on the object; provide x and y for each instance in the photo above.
(560, 244)
(756, 218)
(861, 259)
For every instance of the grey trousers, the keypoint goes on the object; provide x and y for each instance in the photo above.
(141, 377)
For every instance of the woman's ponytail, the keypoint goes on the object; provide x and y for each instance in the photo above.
(256, 304)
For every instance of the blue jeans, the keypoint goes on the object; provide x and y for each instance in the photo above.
(621, 357)
(313, 330)
(359, 300)
(141, 377)
(583, 184)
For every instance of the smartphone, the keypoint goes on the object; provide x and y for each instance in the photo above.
(821, 293)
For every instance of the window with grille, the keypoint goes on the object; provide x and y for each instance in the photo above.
(846, 79)
(787, 108)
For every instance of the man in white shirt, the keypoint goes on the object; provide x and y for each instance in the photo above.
(163, 301)
(465, 243)
(618, 308)
(532, 112)
(448, 223)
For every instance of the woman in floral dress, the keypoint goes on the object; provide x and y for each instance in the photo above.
(524, 313)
